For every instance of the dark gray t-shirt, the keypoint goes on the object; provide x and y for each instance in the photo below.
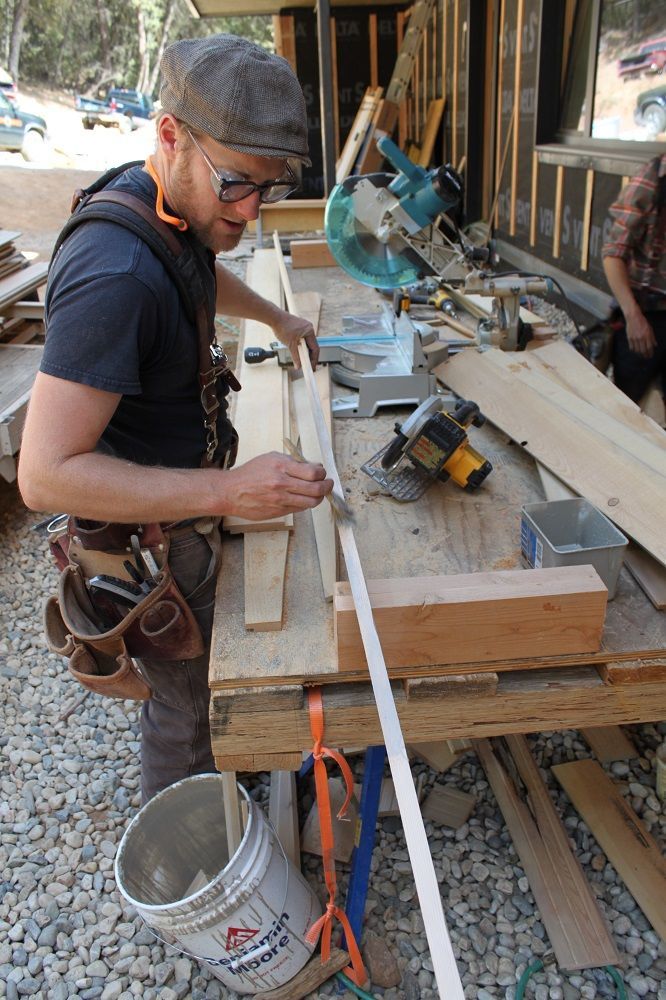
(115, 321)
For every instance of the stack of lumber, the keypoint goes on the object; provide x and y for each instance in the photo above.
(19, 277)
(577, 425)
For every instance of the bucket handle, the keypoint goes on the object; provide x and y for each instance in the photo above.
(256, 952)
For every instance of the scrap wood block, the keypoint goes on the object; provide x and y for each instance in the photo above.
(476, 617)
(633, 672)
(440, 755)
(629, 847)
(309, 978)
(344, 830)
(609, 743)
(311, 253)
(448, 806)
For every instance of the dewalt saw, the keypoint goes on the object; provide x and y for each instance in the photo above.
(392, 230)
(431, 445)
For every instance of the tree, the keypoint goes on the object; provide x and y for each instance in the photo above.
(16, 40)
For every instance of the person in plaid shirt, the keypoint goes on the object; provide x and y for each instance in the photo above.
(634, 260)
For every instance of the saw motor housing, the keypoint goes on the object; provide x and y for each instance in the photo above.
(432, 444)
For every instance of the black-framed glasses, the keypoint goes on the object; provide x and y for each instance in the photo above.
(229, 189)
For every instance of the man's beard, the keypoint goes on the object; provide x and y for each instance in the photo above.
(181, 186)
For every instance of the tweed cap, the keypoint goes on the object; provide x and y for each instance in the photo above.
(237, 93)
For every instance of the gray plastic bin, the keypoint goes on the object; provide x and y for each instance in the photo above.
(572, 533)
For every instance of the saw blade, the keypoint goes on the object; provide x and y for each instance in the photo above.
(357, 249)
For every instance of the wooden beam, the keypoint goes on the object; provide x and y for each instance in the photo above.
(587, 220)
(534, 195)
(311, 253)
(629, 847)
(567, 906)
(516, 123)
(431, 131)
(476, 617)
(372, 31)
(559, 198)
(283, 814)
(525, 701)
(357, 133)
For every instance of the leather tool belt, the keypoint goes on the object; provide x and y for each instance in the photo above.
(102, 620)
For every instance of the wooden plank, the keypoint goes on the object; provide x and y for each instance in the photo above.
(476, 617)
(629, 847)
(309, 978)
(518, 63)
(589, 463)
(436, 753)
(17, 286)
(526, 367)
(650, 574)
(525, 701)
(283, 814)
(357, 133)
(19, 363)
(258, 408)
(633, 672)
(297, 215)
(265, 558)
(609, 743)
(431, 131)
(322, 515)
(371, 159)
(562, 362)
(287, 761)
(587, 219)
(308, 305)
(372, 31)
(311, 253)
(232, 812)
(535, 189)
(568, 909)
(7, 237)
(559, 197)
(448, 806)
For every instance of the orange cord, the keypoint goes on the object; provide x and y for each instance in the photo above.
(324, 926)
(173, 220)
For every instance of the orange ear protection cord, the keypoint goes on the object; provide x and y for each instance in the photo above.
(173, 220)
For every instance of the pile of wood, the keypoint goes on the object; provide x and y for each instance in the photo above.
(20, 277)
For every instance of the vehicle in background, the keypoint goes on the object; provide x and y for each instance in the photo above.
(649, 58)
(8, 86)
(650, 110)
(21, 132)
(120, 108)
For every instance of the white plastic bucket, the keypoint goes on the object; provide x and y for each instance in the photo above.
(248, 917)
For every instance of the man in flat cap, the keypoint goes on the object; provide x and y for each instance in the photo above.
(127, 430)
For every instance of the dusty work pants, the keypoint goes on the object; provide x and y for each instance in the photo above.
(175, 731)
(633, 373)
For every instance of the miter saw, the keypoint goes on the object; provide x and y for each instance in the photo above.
(391, 230)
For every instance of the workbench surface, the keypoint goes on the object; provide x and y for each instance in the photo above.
(257, 706)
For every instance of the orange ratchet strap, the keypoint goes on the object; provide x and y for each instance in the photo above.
(173, 220)
(324, 926)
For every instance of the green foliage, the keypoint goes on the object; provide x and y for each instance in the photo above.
(62, 42)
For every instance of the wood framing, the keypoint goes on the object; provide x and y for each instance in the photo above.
(516, 125)
(358, 132)
(431, 129)
(476, 617)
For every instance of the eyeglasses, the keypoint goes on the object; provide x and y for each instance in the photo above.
(229, 189)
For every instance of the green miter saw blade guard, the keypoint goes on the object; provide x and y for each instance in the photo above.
(357, 249)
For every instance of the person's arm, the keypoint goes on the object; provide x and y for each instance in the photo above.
(640, 334)
(59, 469)
(235, 298)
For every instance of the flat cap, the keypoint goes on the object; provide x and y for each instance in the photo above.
(237, 93)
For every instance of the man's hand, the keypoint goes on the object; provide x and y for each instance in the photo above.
(272, 485)
(640, 335)
(289, 329)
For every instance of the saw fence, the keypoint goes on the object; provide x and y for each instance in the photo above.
(473, 646)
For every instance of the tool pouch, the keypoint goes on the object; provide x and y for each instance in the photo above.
(101, 638)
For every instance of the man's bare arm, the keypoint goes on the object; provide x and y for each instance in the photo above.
(235, 298)
(59, 469)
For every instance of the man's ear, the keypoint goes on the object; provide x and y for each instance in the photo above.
(169, 134)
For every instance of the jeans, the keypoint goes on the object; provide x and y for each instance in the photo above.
(633, 373)
(175, 729)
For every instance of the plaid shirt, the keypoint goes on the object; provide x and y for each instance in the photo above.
(638, 233)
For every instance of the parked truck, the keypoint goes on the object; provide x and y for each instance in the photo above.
(119, 109)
